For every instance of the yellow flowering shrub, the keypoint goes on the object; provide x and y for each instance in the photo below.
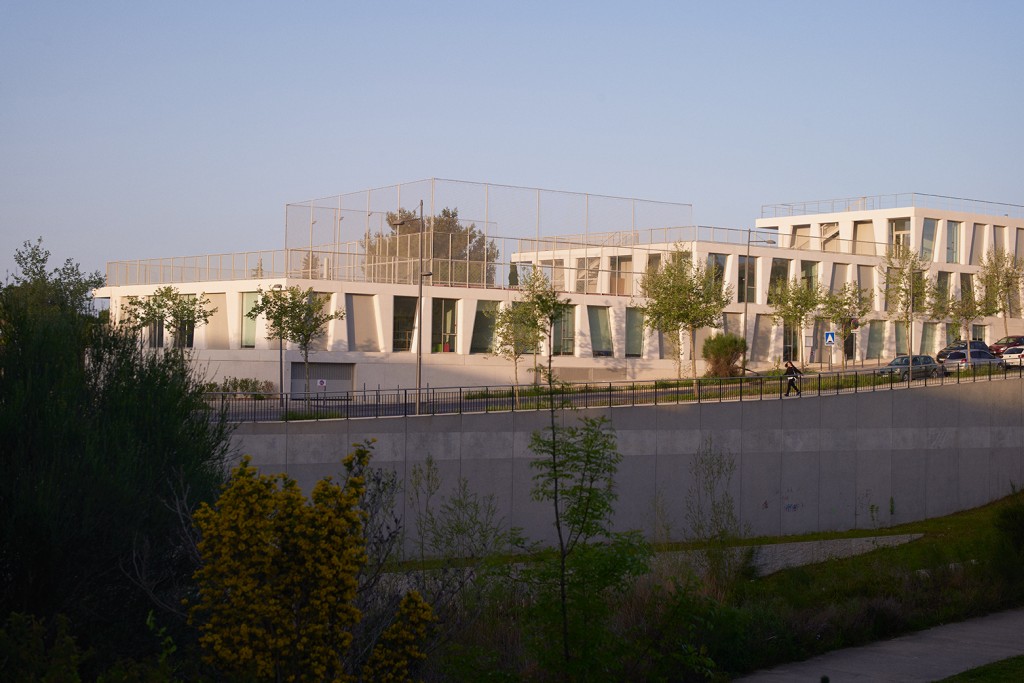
(278, 574)
(399, 646)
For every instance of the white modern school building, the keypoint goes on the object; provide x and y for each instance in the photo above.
(370, 253)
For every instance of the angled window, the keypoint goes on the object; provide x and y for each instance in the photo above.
(403, 323)
(953, 241)
(443, 335)
(778, 276)
(928, 239)
(249, 300)
(563, 333)
(746, 280)
(483, 327)
(587, 270)
(716, 266)
(600, 331)
(634, 333)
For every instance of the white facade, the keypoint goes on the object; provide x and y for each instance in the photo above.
(374, 346)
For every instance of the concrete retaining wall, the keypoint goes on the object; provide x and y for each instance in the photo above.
(803, 464)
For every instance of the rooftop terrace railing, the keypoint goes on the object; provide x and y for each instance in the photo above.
(892, 201)
(487, 399)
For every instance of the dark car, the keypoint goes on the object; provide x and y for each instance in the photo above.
(1005, 343)
(957, 361)
(960, 345)
(924, 366)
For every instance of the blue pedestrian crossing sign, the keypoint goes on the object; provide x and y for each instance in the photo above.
(830, 339)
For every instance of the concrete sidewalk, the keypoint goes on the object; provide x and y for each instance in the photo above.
(929, 655)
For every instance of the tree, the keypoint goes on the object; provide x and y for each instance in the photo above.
(576, 583)
(683, 296)
(962, 308)
(845, 307)
(794, 302)
(1001, 276)
(280, 575)
(181, 313)
(906, 291)
(105, 447)
(721, 352)
(522, 326)
(452, 251)
(295, 315)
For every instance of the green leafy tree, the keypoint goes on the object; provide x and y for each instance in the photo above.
(168, 307)
(105, 449)
(794, 303)
(524, 325)
(962, 308)
(295, 315)
(576, 583)
(905, 284)
(1001, 276)
(722, 351)
(453, 251)
(845, 307)
(682, 297)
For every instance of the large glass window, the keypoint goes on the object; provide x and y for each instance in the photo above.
(790, 341)
(156, 334)
(942, 286)
(876, 337)
(554, 269)
(587, 270)
(830, 237)
(634, 333)
(809, 274)
(901, 338)
(483, 327)
(979, 332)
(563, 333)
(966, 285)
(442, 337)
(249, 300)
(779, 275)
(977, 243)
(716, 266)
(185, 336)
(600, 330)
(654, 262)
(404, 322)
(953, 242)
(928, 239)
(801, 237)
(929, 341)
(899, 234)
(622, 274)
(746, 280)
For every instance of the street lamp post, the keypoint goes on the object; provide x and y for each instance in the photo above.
(280, 352)
(419, 315)
(746, 288)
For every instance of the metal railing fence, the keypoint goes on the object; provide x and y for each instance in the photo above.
(375, 403)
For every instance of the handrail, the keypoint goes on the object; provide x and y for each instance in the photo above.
(372, 403)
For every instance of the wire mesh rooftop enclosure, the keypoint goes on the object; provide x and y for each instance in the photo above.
(468, 235)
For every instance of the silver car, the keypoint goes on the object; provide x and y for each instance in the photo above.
(957, 361)
(924, 366)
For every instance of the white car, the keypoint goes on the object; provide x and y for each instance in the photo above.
(1013, 355)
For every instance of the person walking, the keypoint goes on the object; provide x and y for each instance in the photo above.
(792, 373)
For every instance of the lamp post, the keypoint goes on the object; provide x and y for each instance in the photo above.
(280, 352)
(419, 304)
(746, 287)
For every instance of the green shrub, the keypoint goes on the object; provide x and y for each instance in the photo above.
(721, 352)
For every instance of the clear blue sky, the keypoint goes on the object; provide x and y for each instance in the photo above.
(145, 129)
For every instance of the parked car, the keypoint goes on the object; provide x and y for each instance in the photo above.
(1013, 355)
(957, 361)
(960, 345)
(924, 366)
(1006, 342)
